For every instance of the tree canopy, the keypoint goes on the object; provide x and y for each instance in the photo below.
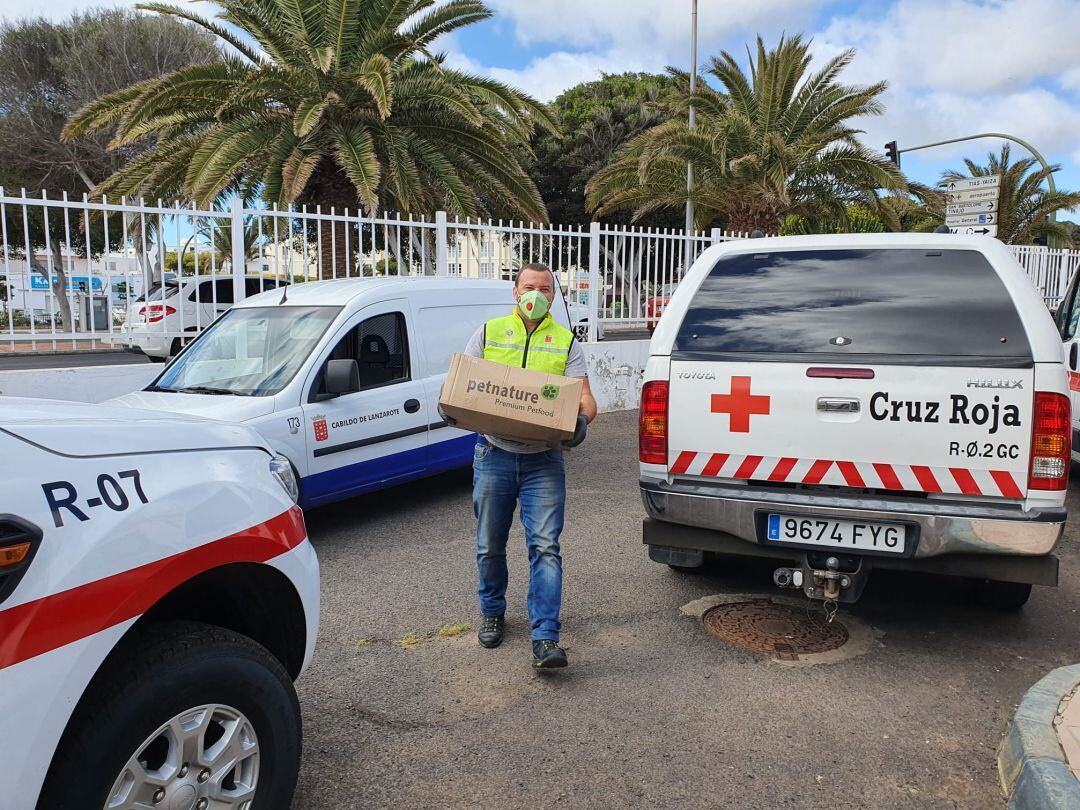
(49, 70)
(596, 118)
(775, 141)
(339, 102)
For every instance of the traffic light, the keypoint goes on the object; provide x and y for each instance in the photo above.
(891, 153)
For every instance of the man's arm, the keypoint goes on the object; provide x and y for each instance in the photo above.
(587, 408)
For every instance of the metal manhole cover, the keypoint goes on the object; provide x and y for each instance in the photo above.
(783, 631)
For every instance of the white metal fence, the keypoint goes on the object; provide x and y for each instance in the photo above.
(84, 275)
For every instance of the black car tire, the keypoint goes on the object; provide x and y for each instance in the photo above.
(166, 669)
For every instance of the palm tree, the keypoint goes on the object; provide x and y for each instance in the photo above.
(1024, 208)
(338, 103)
(777, 142)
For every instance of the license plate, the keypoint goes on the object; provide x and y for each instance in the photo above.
(838, 534)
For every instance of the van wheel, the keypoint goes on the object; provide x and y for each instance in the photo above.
(184, 713)
(176, 347)
(1002, 595)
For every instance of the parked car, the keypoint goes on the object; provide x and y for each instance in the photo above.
(845, 403)
(341, 377)
(170, 314)
(1068, 322)
(158, 595)
(655, 306)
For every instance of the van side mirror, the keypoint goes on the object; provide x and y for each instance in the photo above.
(342, 377)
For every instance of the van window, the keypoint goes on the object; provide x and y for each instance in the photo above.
(947, 307)
(380, 346)
(446, 330)
(1068, 315)
(250, 351)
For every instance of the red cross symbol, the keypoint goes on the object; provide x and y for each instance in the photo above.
(740, 404)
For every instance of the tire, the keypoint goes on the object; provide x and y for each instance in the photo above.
(175, 348)
(999, 595)
(685, 569)
(168, 670)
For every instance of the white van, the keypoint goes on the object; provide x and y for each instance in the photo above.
(172, 313)
(342, 377)
(850, 402)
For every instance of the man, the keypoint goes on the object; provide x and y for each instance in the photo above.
(506, 472)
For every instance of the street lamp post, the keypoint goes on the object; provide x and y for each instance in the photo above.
(1003, 136)
(693, 122)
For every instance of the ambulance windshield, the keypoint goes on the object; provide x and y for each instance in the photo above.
(252, 351)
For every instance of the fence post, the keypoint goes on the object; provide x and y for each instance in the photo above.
(442, 259)
(239, 268)
(717, 236)
(596, 281)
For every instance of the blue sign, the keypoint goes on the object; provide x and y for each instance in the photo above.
(75, 283)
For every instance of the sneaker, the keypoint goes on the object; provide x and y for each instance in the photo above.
(490, 633)
(548, 655)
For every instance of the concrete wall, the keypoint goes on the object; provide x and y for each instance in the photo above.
(84, 384)
(615, 371)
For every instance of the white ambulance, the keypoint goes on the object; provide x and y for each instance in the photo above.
(158, 595)
(858, 402)
(341, 377)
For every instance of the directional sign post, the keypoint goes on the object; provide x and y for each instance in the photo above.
(972, 195)
(982, 207)
(975, 230)
(968, 183)
(971, 219)
(973, 204)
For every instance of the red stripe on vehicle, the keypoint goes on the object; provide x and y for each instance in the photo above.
(1007, 484)
(52, 621)
(817, 471)
(851, 474)
(715, 463)
(783, 469)
(926, 479)
(746, 469)
(683, 462)
(1074, 381)
(965, 481)
(888, 476)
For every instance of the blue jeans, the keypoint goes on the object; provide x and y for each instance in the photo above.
(538, 481)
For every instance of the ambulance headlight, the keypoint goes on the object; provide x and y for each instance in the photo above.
(283, 472)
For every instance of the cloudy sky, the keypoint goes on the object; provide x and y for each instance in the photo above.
(954, 67)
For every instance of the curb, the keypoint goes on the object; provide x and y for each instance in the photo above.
(1031, 764)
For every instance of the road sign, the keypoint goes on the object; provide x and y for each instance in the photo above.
(990, 181)
(972, 195)
(980, 207)
(975, 230)
(971, 219)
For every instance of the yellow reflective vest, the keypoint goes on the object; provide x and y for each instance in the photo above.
(506, 341)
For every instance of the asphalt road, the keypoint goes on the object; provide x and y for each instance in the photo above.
(653, 710)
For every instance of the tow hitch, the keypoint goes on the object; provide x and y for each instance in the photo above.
(829, 578)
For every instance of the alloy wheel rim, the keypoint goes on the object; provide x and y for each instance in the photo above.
(204, 758)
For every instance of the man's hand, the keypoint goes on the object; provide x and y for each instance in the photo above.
(451, 421)
(579, 432)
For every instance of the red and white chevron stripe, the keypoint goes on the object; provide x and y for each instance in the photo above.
(861, 474)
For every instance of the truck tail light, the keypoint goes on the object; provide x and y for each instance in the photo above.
(156, 312)
(652, 423)
(1051, 440)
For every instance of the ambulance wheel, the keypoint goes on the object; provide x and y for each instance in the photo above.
(188, 715)
(1002, 595)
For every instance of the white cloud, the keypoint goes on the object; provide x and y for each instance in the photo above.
(658, 28)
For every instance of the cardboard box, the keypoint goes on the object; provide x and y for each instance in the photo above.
(516, 403)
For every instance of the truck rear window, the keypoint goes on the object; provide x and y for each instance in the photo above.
(946, 307)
